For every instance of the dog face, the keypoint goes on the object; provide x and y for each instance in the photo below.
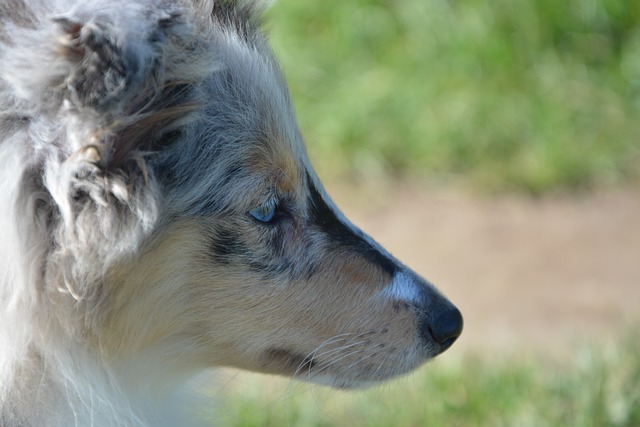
(180, 171)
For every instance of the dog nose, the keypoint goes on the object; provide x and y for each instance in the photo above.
(443, 324)
(439, 321)
(447, 327)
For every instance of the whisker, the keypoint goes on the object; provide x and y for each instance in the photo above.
(332, 352)
(324, 366)
(332, 340)
(335, 350)
(313, 354)
(384, 360)
(362, 359)
(307, 360)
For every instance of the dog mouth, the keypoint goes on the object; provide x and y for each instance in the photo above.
(307, 368)
(343, 370)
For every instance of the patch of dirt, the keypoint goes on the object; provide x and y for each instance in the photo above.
(527, 274)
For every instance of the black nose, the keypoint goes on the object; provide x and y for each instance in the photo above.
(444, 325)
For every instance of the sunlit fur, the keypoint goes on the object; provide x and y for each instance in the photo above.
(136, 138)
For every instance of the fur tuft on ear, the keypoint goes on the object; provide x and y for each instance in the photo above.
(242, 16)
(96, 57)
(107, 66)
(119, 72)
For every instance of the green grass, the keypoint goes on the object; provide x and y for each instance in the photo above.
(599, 388)
(529, 95)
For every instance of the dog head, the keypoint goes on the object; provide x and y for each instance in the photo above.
(182, 222)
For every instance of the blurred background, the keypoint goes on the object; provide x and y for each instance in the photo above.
(493, 146)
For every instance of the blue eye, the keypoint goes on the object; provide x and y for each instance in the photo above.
(265, 212)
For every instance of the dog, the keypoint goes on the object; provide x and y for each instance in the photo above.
(160, 217)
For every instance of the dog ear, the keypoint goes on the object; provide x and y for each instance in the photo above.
(93, 90)
(108, 64)
(116, 76)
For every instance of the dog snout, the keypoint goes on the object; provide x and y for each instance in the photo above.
(439, 322)
(442, 323)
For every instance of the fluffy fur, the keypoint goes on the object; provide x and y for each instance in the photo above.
(160, 217)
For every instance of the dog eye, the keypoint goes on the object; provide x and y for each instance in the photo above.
(265, 212)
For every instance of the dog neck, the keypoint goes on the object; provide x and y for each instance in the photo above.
(72, 387)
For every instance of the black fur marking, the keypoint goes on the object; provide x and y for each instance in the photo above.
(243, 19)
(276, 262)
(297, 361)
(225, 246)
(399, 306)
(340, 235)
(168, 138)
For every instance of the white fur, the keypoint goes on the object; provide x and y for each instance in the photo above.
(402, 288)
